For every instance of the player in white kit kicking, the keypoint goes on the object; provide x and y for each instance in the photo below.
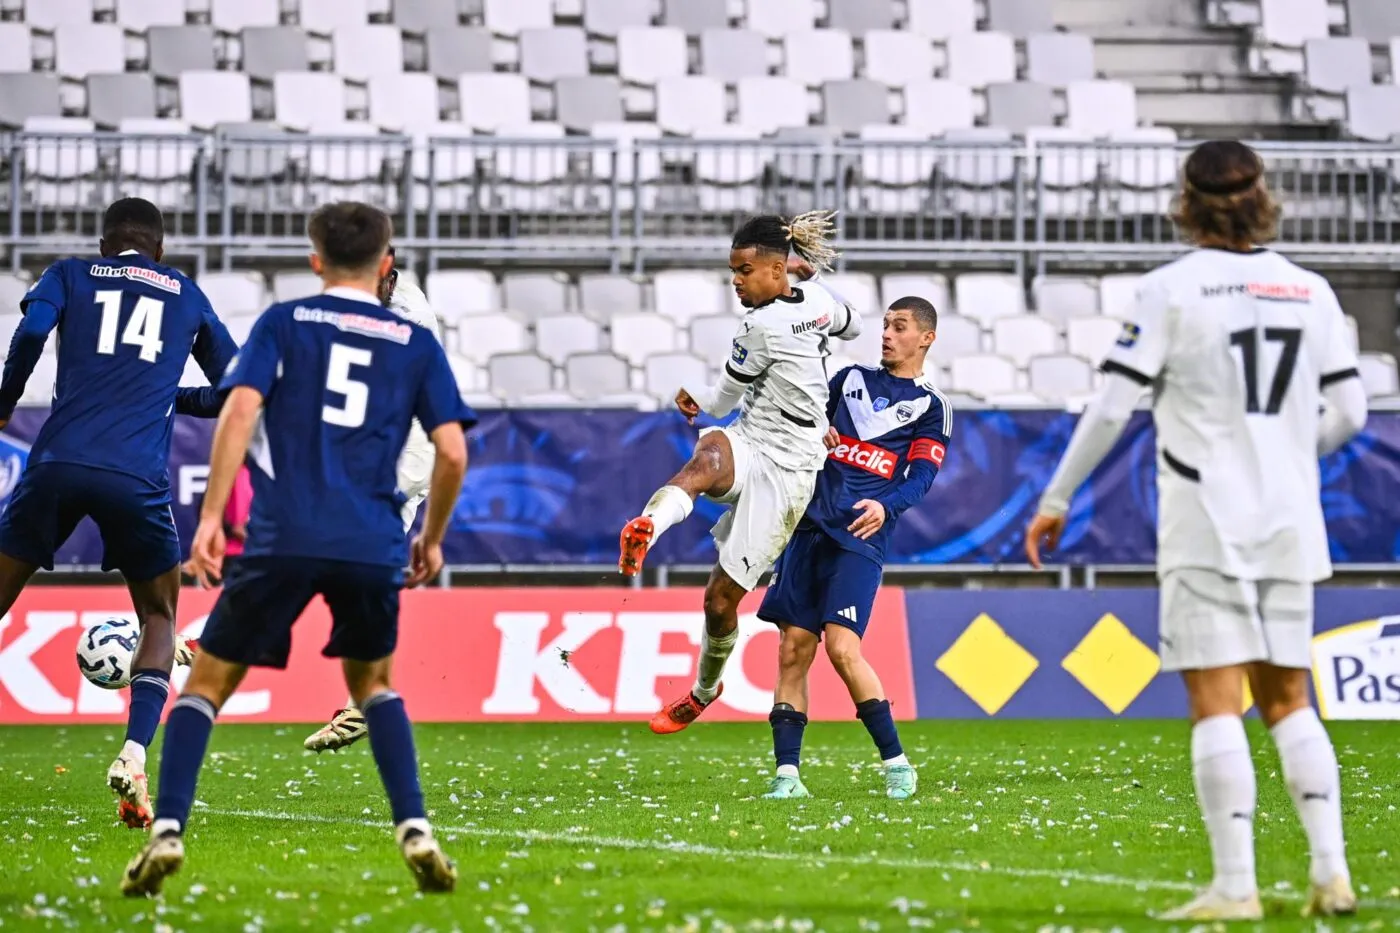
(764, 464)
(1241, 349)
(406, 300)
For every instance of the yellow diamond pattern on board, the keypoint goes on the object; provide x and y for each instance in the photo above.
(1112, 663)
(987, 664)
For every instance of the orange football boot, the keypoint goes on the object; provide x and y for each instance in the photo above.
(636, 538)
(676, 716)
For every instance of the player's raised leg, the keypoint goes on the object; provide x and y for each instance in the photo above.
(797, 648)
(212, 681)
(709, 471)
(154, 601)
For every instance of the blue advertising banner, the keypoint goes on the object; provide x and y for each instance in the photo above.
(1036, 654)
(555, 487)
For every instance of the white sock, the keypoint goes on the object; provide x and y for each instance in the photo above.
(713, 653)
(1310, 769)
(350, 704)
(668, 506)
(161, 827)
(407, 826)
(900, 759)
(787, 771)
(134, 751)
(1226, 792)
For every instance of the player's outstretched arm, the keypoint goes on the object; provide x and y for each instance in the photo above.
(231, 437)
(449, 469)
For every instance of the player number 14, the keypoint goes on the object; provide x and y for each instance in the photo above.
(142, 328)
(351, 414)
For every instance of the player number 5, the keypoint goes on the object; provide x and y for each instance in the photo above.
(142, 329)
(352, 413)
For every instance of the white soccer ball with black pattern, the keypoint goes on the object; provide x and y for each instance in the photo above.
(106, 653)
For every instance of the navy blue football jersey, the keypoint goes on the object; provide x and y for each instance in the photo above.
(890, 428)
(126, 325)
(342, 379)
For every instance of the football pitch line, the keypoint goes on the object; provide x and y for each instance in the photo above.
(816, 859)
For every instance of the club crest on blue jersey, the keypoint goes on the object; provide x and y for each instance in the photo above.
(880, 404)
(740, 353)
(904, 411)
(1128, 338)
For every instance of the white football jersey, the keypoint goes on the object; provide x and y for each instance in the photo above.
(416, 463)
(780, 352)
(1237, 347)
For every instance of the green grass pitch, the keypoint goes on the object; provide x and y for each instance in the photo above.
(1044, 826)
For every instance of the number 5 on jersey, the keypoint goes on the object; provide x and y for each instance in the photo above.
(351, 414)
(142, 329)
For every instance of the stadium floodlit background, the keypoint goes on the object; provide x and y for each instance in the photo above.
(563, 177)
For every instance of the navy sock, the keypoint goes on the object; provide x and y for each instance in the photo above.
(879, 722)
(149, 689)
(186, 739)
(787, 735)
(391, 738)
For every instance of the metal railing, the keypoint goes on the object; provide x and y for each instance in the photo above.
(234, 196)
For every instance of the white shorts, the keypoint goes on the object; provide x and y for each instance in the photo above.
(415, 474)
(1208, 620)
(768, 501)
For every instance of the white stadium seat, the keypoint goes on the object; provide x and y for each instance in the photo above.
(208, 98)
(816, 56)
(1378, 374)
(482, 337)
(957, 337)
(638, 336)
(363, 51)
(685, 294)
(1092, 337)
(1058, 298)
(898, 57)
(491, 101)
(778, 18)
(456, 293)
(234, 16)
(234, 292)
(986, 296)
(1059, 377)
(664, 373)
(559, 336)
(1024, 336)
(984, 374)
(1118, 295)
(932, 287)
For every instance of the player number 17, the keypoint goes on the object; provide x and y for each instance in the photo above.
(350, 414)
(1290, 339)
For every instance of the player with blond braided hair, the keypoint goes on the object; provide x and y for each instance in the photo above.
(764, 465)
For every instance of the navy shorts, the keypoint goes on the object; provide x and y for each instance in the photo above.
(264, 596)
(819, 583)
(133, 515)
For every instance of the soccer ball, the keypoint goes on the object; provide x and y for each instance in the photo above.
(106, 652)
